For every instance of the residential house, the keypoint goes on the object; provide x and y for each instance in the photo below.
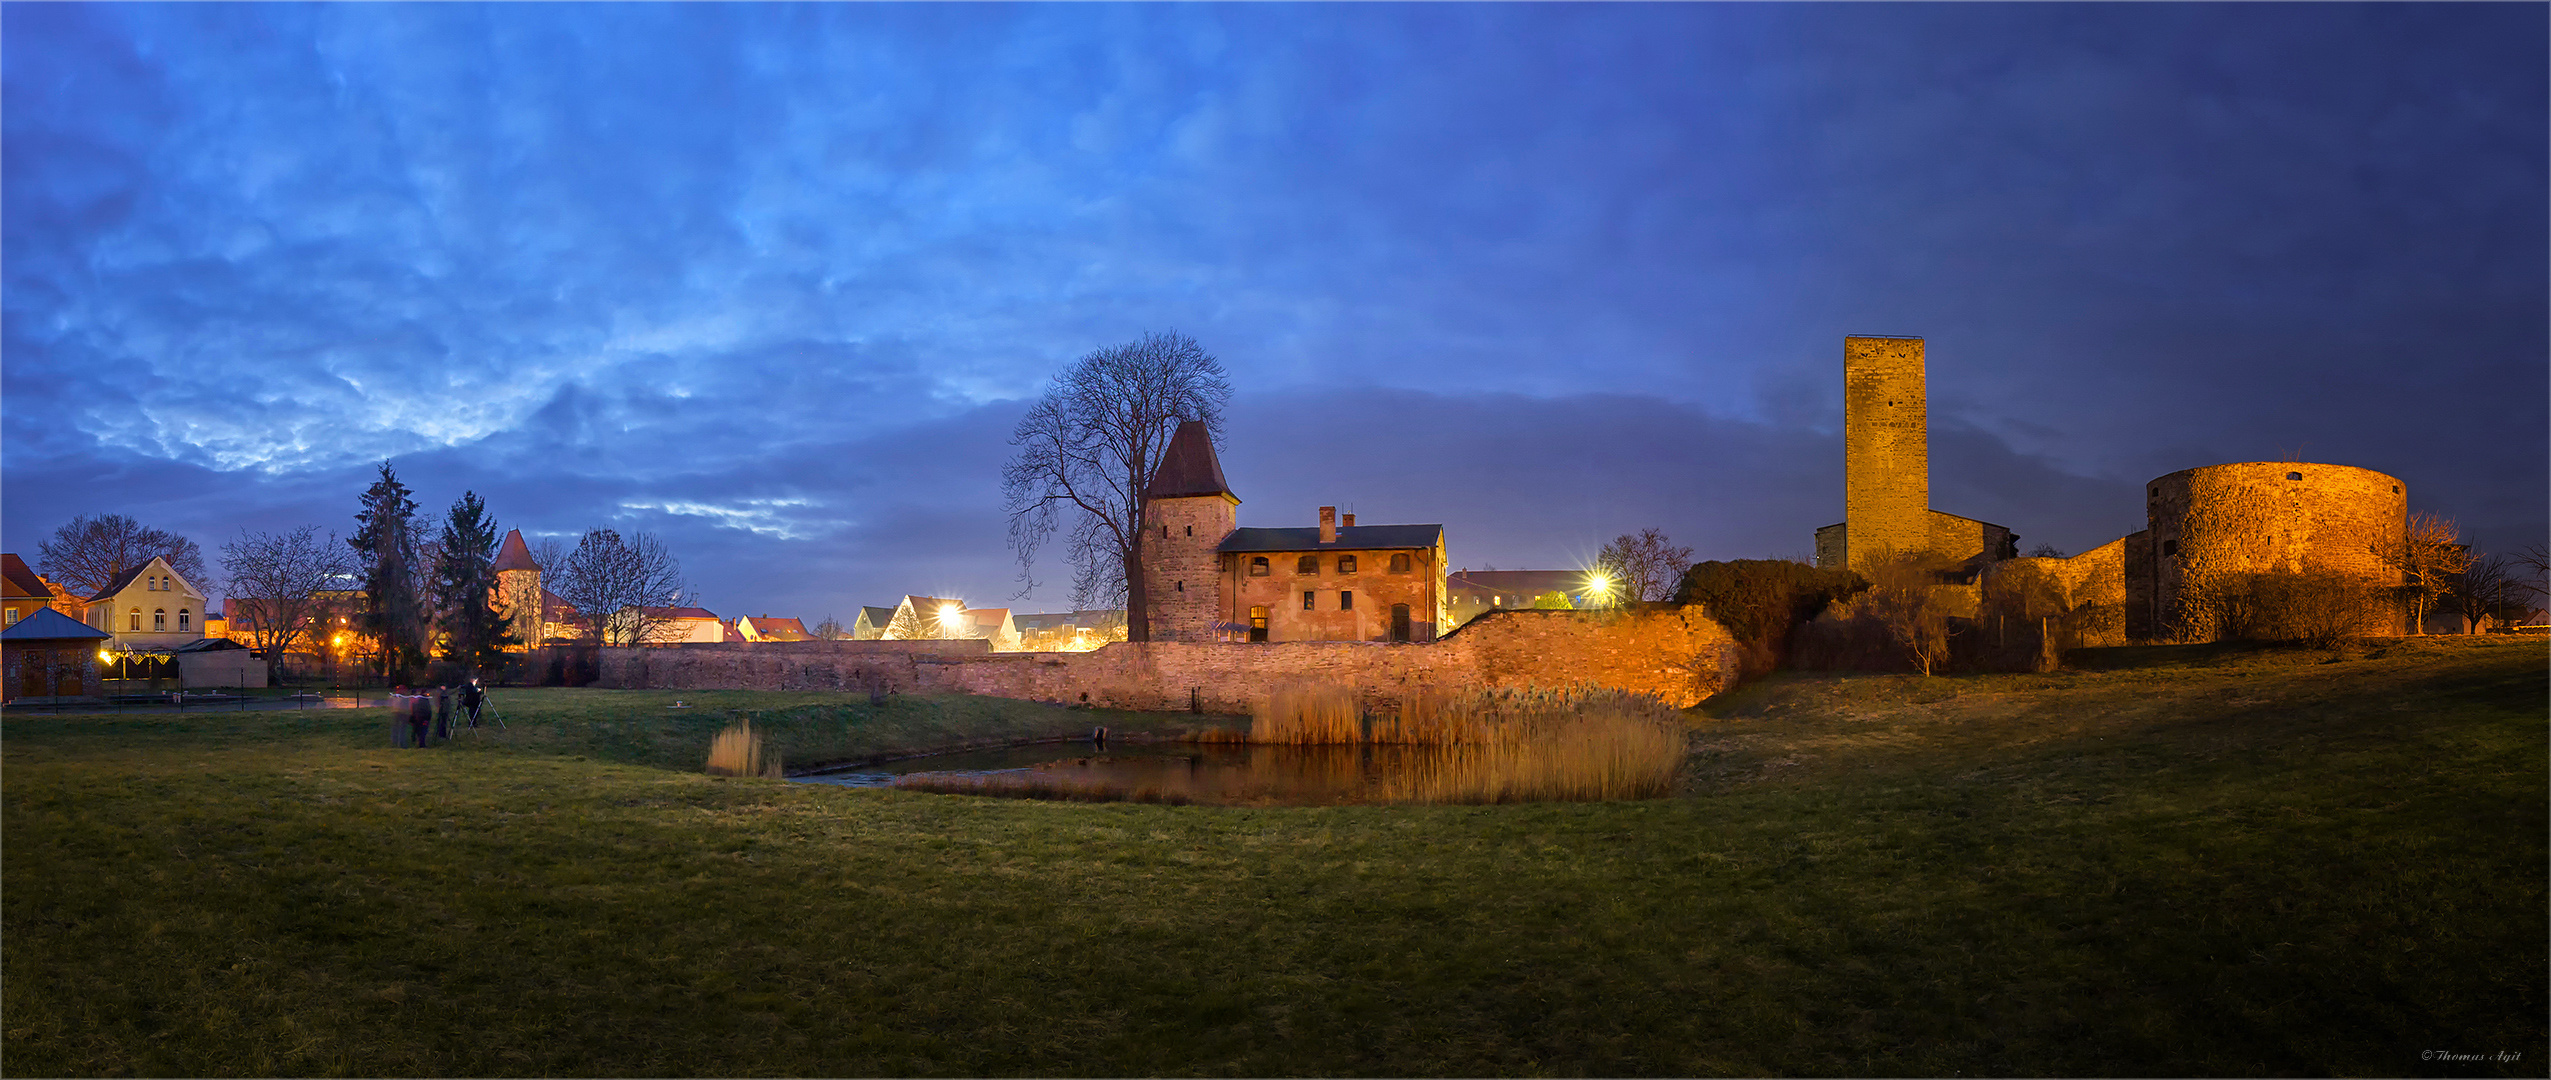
(993, 625)
(24, 590)
(926, 617)
(766, 628)
(683, 626)
(149, 609)
(871, 623)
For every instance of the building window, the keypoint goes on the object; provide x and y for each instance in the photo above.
(1346, 564)
(1182, 586)
(1164, 532)
(1399, 563)
(2294, 476)
(1257, 624)
(1191, 530)
(184, 618)
(1308, 564)
(1258, 566)
(11, 619)
(159, 619)
(136, 620)
(2169, 547)
(1346, 600)
(1306, 600)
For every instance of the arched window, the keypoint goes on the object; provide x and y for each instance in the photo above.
(1258, 566)
(185, 618)
(1346, 564)
(136, 621)
(1308, 564)
(1399, 563)
(159, 619)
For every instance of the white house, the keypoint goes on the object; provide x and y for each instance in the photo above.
(149, 609)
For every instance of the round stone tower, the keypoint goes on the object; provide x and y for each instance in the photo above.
(2209, 525)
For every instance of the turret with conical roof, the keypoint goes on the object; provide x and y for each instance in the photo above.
(1190, 509)
(518, 588)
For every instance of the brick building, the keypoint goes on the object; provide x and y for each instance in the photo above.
(1207, 579)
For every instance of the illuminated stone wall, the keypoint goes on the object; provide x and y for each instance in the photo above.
(1886, 448)
(2209, 525)
(1679, 654)
(1181, 569)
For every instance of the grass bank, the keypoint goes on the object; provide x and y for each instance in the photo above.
(2196, 863)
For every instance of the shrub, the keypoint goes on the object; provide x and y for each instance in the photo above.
(1764, 602)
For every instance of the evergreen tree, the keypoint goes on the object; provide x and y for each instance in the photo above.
(385, 545)
(474, 620)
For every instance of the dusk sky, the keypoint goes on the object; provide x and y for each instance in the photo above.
(775, 283)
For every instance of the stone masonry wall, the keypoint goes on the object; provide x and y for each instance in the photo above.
(1181, 569)
(1886, 448)
(1679, 654)
(2213, 523)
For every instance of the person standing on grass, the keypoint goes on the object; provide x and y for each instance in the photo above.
(420, 714)
(471, 698)
(398, 716)
(442, 713)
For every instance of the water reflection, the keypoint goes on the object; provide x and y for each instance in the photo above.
(1219, 774)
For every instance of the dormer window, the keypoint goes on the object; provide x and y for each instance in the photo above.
(1346, 564)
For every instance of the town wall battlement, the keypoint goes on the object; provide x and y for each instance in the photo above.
(1679, 654)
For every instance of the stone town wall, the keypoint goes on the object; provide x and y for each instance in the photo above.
(2091, 587)
(2212, 524)
(1679, 654)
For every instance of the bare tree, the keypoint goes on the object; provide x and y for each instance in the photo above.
(1641, 568)
(2487, 591)
(830, 629)
(88, 552)
(2428, 558)
(612, 582)
(278, 579)
(1903, 596)
(1088, 448)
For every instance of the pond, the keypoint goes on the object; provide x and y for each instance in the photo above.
(1238, 775)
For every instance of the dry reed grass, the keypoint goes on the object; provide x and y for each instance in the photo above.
(737, 751)
(1308, 714)
(1498, 745)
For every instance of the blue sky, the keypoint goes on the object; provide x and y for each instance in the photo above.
(775, 282)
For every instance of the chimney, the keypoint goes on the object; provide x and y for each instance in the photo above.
(1328, 524)
(1349, 523)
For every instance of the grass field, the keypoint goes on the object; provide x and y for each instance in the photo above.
(2193, 861)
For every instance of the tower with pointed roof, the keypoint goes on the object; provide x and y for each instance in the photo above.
(518, 587)
(1190, 509)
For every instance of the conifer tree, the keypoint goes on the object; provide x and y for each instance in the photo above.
(474, 620)
(385, 546)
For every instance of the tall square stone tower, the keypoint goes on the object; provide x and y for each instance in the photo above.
(1886, 448)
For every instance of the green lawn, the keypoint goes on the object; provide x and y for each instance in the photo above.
(2191, 861)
